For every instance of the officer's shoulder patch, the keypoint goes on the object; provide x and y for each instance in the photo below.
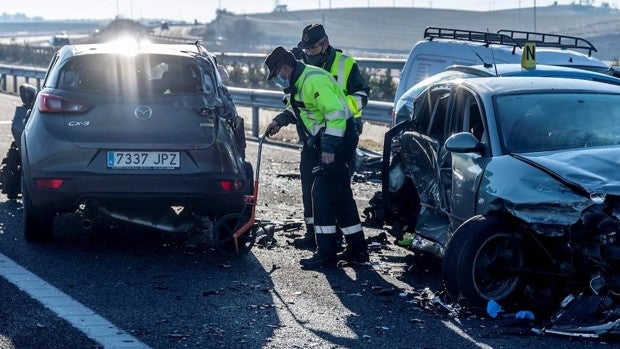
(316, 95)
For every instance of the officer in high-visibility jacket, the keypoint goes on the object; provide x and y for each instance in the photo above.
(319, 53)
(323, 111)
(315, 49)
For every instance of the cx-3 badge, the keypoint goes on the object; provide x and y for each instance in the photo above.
(143, 112)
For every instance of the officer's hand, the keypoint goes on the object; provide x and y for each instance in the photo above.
(272, 129)
(327, 158)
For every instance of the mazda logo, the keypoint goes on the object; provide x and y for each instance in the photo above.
(143, 112)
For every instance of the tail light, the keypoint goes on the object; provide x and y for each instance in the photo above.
(49, 183)
(230, 185)
(52, 104)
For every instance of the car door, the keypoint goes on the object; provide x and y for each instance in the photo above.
(467, 115)
(422, 149)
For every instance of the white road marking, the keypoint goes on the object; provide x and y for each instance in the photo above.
(84, 319)
(462, 333)
(5, 122)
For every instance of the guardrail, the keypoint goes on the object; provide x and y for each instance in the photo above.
(375, 111)
(19, 71)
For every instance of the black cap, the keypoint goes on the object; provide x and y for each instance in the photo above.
(275, 58)
(311, 35)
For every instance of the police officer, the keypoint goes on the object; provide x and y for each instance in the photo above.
(314, 49)
(324, 113)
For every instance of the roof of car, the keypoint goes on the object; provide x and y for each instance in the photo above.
(517, 69)
(140, 47)
(504, 84)
(514, 69)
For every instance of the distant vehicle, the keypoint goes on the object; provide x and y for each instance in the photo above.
(60, 39)
(443, 47)
(515, 183)
(151, 138)
(164, 26)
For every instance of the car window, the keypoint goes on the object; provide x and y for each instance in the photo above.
(431, 109)
(554, 121)
(467, 117)
(51, 73)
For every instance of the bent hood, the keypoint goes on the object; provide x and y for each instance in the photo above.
(596, 170)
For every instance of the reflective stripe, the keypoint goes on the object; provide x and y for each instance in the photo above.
(358, 99)
(361, 93)
(325, 229)
(309, 220)
(342, 81)
(339, 114)
(317, 129)
(352, 229)
(334, 132)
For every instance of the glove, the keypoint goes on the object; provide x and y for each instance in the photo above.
(272, 129)
(284, 118)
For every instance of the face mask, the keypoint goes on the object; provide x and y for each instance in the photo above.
(316, 60)
(282, 82)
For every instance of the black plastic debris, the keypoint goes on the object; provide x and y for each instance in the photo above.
(586, 316)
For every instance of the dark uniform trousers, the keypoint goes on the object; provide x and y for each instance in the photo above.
(332, 197)
(310, 158)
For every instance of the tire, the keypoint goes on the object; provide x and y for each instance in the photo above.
(38, 224)
(478, 261)
(10, 173)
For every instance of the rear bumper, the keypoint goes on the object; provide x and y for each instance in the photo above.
(201, 194)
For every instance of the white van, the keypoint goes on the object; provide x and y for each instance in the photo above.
(443, 47)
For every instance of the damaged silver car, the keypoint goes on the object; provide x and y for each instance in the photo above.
(515, 184)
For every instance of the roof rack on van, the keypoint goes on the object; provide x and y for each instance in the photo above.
(549, 40)
(469, 35)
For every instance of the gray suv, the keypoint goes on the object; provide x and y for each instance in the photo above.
(143, 133)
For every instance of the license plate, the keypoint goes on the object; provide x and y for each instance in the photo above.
(143, 160)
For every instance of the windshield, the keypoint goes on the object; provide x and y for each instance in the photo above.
(555, 121)
(152, 74)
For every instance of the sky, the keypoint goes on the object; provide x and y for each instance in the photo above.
(204, 10)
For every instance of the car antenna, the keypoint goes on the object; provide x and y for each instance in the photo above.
(493, 55)
(485, 64)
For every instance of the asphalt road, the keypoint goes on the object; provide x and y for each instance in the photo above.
(159, 291)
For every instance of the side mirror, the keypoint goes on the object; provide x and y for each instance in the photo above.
(465, 142)
(27, 93)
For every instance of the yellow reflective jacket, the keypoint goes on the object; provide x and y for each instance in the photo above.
(347, 74)
(321, 104)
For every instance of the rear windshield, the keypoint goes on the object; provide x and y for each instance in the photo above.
(152, 74)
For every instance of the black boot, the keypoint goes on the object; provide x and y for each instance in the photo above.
(325, 255)
(308, 242)
(356, 250)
